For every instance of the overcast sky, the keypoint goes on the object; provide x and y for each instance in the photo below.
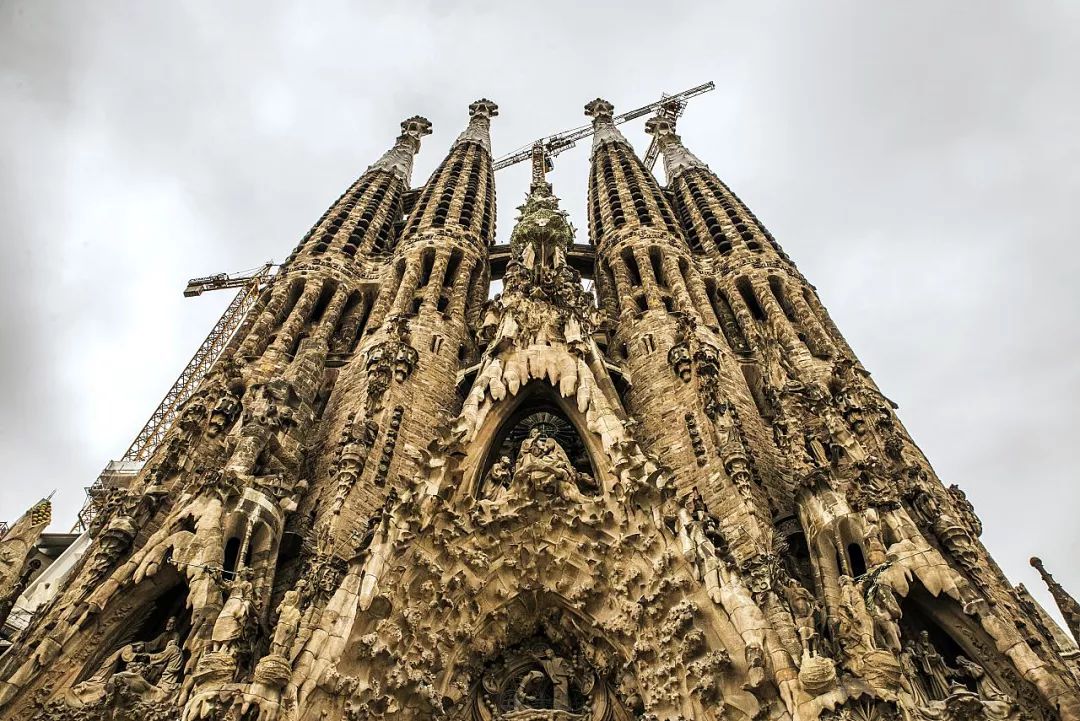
(919, 162)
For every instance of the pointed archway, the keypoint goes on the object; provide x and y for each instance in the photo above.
(536, 411)
(537, 408)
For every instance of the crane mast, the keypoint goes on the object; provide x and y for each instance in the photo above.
(154, 430)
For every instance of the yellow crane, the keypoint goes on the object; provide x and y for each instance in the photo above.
(250, 285)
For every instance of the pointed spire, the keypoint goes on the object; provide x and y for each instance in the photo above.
(601, 111)
(479, 131)
(676, 157)
(542, 234)
(399, 159)
(541, 164)
(1068, 605)
(461, 191)
(17, 544)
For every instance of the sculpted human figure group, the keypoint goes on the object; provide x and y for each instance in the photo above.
(151, 669)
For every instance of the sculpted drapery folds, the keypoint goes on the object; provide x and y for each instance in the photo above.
(648, 480)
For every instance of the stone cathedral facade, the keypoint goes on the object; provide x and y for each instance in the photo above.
(678, 497)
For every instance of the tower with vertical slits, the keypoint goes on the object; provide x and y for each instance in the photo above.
(660, 488)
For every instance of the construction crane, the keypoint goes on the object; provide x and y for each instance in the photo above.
(552, 145)
(146, 442)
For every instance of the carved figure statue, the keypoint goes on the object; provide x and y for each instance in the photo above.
(490, 319)
(949, 531)
(885, 613)
(851, 626)
(932, 666)
(523, 699)
(224, 412)
(984, 685)
(542, 465)
(288, 623)
(150, 668)
(913, 680)
(499, 477)
(965, 510)
(232, 622)
(528, 258)
(559, 671)
(804, 608)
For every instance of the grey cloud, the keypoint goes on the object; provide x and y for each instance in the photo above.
(918, 161)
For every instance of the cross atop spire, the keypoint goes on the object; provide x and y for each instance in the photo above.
(479, 131)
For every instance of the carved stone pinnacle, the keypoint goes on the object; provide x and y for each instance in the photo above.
(484, 108)
(599, 110)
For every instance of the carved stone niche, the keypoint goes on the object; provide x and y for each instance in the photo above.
(863, 709)
(134, 664)
(536, 681)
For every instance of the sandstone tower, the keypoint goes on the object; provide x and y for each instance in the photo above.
(681, 497)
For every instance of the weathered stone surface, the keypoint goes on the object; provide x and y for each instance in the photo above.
(678, 497)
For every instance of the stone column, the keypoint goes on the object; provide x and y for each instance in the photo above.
(459, 295)
(648, 282)
(407, 288)
(436, 279)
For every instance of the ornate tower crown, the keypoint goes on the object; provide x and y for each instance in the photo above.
(660, 126)
(413, 129)
(676, 156)
(483, 108)
(479, 131)
(599, 110)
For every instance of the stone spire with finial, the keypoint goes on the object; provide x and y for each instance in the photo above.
(399, 159)
(677, 157)
(1068, 605)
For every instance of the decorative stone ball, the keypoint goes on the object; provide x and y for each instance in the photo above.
(817, 674)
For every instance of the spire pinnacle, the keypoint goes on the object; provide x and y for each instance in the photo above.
(479, 131)
(676, 157)
(398, 159)
(604, 130)
(600, 110)
(541, 164)
(1068, 605)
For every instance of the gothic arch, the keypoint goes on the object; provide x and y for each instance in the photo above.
(501, 419)
(956, 633)
(502, 661)
(147, 611)
(140, 614)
